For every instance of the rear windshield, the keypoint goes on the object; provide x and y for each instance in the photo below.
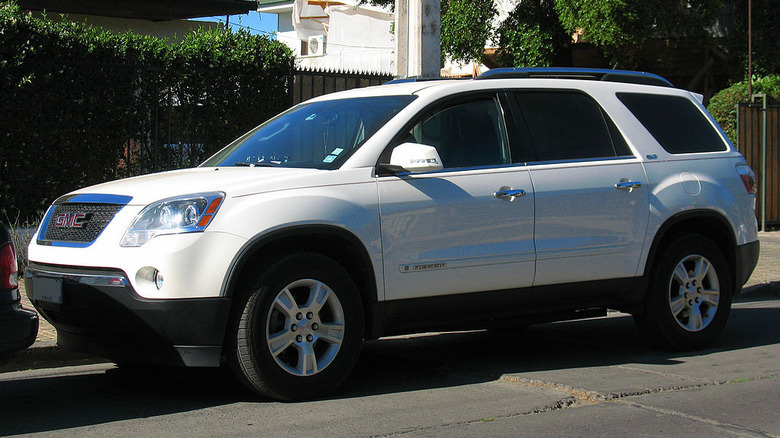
(676, 123)
(319, 135)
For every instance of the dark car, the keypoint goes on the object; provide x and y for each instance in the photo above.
(18, 326)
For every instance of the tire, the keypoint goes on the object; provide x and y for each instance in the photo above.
(306, 309)
(689, 299)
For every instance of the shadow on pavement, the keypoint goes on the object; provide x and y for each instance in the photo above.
(427, 362)
(55, 403)
(60, 402)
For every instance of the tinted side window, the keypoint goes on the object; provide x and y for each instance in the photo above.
(469, 134)
(568, 125)
(675, 122)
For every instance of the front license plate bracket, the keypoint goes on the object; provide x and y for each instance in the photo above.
(47, 289)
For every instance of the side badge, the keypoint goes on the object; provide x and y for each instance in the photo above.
(405, 269)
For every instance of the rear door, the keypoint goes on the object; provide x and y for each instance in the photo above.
(590, 194)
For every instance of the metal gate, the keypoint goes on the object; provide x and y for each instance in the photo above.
(305, 84)
(758, 139)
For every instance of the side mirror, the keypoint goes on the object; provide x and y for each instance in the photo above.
(415, 157)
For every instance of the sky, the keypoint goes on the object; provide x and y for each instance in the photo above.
(254, 21)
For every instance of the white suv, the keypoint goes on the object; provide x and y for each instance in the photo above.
(524, 196)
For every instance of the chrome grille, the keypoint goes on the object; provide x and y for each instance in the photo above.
(100, 216)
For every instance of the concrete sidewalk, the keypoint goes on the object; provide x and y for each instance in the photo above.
(44, 353)
(767, 272)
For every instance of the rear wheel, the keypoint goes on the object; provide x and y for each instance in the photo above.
(297, 333)
(690, 294)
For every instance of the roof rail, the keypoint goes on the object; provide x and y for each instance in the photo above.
(625, 76)
(417, 79)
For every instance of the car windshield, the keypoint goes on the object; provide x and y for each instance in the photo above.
(318, 135)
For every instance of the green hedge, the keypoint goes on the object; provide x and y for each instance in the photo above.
(80, 105)
(723, 105)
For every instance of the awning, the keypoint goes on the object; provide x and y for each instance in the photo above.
(155, 10)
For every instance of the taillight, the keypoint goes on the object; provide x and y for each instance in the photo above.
(748, 178)
(9, 272)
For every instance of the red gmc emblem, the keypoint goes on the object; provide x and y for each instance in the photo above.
(71, 220)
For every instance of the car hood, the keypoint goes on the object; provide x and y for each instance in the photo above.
(234, 181)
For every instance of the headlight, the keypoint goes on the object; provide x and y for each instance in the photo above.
(183, 214)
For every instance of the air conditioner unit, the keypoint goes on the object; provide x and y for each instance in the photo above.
(317, 45)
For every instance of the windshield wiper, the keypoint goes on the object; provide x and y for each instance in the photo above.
(262, 164)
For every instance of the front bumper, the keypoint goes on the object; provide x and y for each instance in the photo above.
(100, 313)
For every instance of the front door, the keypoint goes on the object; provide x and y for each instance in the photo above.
(468, 227)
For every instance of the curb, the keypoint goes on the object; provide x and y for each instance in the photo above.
(760, 291)
(44, 356)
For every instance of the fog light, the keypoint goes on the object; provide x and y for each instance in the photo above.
(158, 279)
(148, 280)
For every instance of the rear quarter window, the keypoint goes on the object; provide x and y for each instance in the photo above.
(675, 122)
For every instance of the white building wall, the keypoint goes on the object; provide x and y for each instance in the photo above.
(358, 38)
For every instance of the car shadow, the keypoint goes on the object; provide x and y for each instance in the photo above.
(446, 359)
(64, 400)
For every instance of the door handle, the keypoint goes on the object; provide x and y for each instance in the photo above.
(508, 193)
(625, 184)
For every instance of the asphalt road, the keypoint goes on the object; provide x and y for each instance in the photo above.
(587, 378)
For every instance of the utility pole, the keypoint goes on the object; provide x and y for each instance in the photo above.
(750, 48)
(418, 38)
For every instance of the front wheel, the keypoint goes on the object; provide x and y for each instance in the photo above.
(297, 333)
(689, 299)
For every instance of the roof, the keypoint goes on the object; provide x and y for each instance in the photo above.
(552, 79)
(155, 10)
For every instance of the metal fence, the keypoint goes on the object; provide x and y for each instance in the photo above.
(758, 139)
(305, 84)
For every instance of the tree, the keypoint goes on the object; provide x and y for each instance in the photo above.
(538, 32)
(620, 27)
(466, 25)
(533, 36)
(766, 44)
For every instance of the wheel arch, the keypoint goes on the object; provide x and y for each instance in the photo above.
(331, 241)
(709, 223)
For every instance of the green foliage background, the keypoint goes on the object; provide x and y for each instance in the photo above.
(465, 26)
(537, 33)
(723, 105)
(766, 37)
(80, 105)
(532, 36)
